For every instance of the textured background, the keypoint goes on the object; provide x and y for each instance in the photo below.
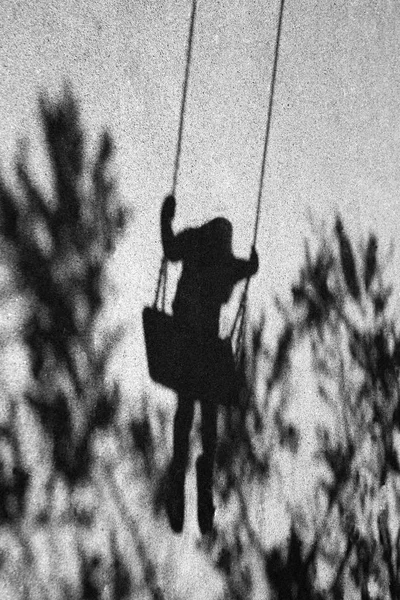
(334, 146)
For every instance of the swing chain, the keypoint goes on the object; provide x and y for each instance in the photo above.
(184, 97)
(239, 323)
(162, 276)
(238, 328)
(161, 285)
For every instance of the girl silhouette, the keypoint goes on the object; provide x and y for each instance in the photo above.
(209, 274)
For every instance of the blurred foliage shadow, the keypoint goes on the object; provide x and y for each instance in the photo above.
(56, 250)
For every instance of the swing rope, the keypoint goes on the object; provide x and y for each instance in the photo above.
(239, 319)
(163, 273)
(269, 119)
(184, 96)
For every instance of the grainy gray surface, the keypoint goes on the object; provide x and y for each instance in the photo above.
(335, 138)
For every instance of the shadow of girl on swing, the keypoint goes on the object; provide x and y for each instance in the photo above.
(209, 274)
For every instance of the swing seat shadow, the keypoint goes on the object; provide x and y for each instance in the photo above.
(171, 365)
